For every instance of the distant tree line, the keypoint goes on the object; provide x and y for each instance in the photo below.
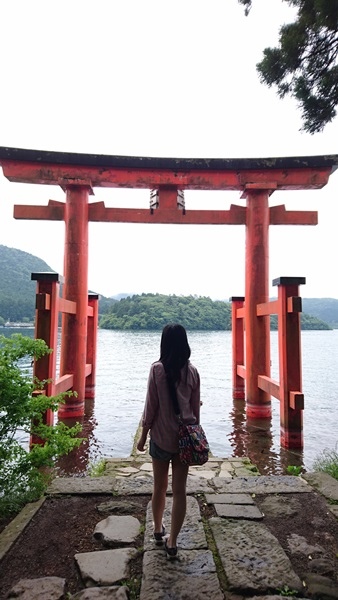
(153, 311)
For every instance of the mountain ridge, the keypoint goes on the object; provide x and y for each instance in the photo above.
(17, 291)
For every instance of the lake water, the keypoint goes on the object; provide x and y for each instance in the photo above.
(123, 363)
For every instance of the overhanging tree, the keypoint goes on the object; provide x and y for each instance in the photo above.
(304, 65)
(23, 474)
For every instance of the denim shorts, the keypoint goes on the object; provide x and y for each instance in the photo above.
(156, 452)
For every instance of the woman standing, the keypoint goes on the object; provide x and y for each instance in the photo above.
(171, 377)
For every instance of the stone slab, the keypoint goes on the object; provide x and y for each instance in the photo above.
(252, 558)
(229, 499)
(127, 470)
(334, 509)
(298, 544)
(238, 511)
(324, 483)
(105, 567)
(82, 485)
(205, 474)
(227, 467)
(41, 588)
(262, 484)
(192, 575)
(113, 592)
(276, 505)
(147, 467)
(192, 534)
(141, 485)
(10, 534)
(117, 529)
(196, 484)
(127, 507)
(274, 597)
(321, 588)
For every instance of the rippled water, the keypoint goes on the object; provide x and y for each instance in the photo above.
(123, 363)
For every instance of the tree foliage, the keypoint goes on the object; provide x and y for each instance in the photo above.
(17, 293)
(22, 478)
(304, 65)
(153, 311)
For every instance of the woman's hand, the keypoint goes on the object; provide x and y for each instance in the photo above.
(143, 439)
(140, 445)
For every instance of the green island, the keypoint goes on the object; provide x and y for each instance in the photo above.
(153, 311)
(139, 311)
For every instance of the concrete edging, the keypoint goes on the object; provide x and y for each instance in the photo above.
(14, 529)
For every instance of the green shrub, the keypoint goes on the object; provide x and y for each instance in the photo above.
(327, 461)
(25, 473)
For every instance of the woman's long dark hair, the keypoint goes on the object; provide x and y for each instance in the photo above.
(175, 353)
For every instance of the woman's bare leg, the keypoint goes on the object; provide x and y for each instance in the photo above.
(160, 471)
(179, 484)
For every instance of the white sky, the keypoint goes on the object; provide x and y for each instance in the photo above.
(171, 78)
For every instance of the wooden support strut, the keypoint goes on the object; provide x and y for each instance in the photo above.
(290, 366)
(238, 381)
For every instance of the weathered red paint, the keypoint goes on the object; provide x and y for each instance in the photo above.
(92, 326)
(64, 175)
(290, 364)
(74, 327)
(46, 328)
(257, 338)
(238, 382)
(288, 390)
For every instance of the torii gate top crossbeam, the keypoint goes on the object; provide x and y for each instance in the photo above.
(65, 168)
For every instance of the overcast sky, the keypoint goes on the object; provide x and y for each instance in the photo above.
(172, 78)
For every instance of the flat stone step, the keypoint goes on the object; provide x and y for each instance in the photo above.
(104, 567)
(192, 536)
(262, 484)
(193, 575)
(117, 530)
(238, 511)
(252, 558)
(229, 499)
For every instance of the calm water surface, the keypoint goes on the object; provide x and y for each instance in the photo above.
(123, 364)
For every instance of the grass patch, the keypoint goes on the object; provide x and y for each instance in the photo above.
(97, 469)
(212, 546)
(293, 470)
(327, 462)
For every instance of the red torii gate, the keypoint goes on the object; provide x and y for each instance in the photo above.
(256, 179)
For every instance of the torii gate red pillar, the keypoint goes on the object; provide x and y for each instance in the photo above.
(74, 326)
(257, 338)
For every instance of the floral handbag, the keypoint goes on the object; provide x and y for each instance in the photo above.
(193, 444)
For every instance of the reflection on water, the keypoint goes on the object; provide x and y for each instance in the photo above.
(123, 362)
(77, 461)
(254, 438)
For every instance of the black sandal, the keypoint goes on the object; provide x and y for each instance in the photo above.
(158, 536)
(171, 552)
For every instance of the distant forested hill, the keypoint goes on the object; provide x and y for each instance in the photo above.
(17, 291)
(153, 311)
(144, 311)
(322, 308)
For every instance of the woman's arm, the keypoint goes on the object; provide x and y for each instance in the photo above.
(196, 399)
(150, 409)
(143, 439)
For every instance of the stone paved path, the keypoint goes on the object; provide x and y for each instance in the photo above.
(229, 557)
